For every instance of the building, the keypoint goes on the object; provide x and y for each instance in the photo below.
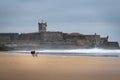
(44, 39)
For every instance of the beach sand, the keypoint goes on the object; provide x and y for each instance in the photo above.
(44, 67)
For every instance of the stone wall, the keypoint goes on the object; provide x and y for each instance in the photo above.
(52, 36)
(110, 45)
(30, 36)
(113, 45)
(11, 36)
(54, 40)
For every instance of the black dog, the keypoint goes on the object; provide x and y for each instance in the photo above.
(33, 53)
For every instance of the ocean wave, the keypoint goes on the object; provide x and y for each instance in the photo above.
(78, 52)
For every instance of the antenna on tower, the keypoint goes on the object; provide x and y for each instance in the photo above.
(42, 21)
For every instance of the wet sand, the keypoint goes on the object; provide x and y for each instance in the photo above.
(44, 67)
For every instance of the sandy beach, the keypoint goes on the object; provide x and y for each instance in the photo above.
(44, 67)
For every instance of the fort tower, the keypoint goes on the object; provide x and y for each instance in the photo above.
(42, 26)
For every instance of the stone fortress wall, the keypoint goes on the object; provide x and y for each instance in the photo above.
(46, 39)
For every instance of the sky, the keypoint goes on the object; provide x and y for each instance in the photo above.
(83, 16)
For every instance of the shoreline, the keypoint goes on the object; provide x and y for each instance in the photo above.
(62, 54)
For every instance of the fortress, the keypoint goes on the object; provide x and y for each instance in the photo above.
(44, 39)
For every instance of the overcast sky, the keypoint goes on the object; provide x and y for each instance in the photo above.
(83, 16)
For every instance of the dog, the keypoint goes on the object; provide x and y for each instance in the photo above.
(34, 54)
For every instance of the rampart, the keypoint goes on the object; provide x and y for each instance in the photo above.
(46, 39)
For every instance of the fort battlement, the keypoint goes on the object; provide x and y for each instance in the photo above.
(47, 39)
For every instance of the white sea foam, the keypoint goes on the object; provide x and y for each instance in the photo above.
(89, 52)
(81, 51)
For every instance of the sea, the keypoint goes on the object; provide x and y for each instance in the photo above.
(75, 52)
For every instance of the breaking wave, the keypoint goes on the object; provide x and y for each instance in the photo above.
(78, 52)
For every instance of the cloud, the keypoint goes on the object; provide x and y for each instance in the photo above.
(59, 10)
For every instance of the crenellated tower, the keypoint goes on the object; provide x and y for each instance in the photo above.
(42, 26)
